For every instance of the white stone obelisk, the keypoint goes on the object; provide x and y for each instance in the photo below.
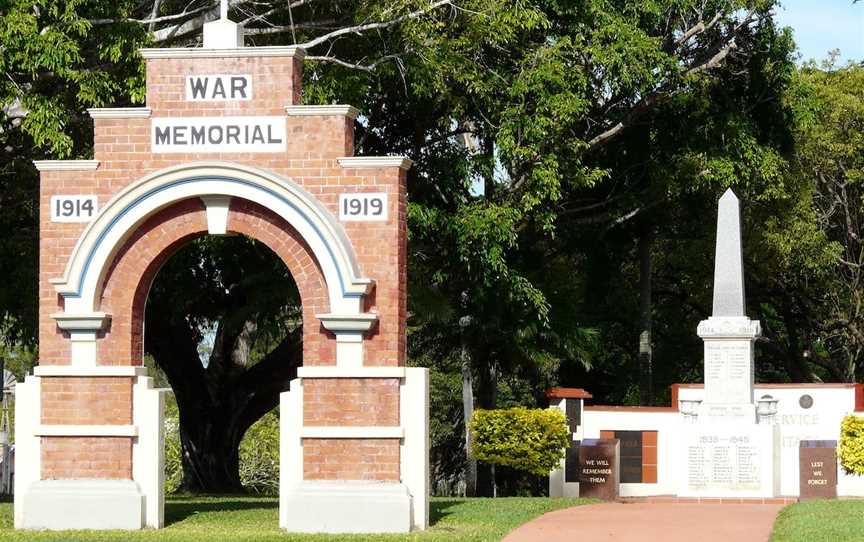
(223, 33)
(728, 334)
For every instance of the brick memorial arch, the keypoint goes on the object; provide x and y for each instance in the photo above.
(223, 147)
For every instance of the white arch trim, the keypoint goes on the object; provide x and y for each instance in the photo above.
(120, 217)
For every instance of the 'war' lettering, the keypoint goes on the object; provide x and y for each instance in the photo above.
(220, 88)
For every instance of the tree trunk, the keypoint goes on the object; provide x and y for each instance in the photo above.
(487, 397)
(218, 404)
(646, 354)
(467, 413)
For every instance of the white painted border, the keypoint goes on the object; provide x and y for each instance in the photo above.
(43, 430)
(352, 432)
(28, 447)
(66, 165)
(119, 112)
(353, 372)
(414, 451)
(97, 370)
(322, 111)
(240, 52)
(372, 162)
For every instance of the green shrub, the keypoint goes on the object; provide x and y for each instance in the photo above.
(852, 444)
(533, 440)
(259, 455)
(173, 461)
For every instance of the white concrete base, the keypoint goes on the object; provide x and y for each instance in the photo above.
(83, 504)
(346, 507)
(738, 460)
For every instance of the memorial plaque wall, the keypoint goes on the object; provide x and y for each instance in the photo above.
(724, 462)
(818, 469)
(638, 455)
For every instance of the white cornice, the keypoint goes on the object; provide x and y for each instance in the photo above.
(350, 372)
(94, 321)
(352, 432)
(240, 52)
(369, 162)
(119, 112)
(322, 110)
(66, 165)
(86, 431)
(97, 370)
(352, 323)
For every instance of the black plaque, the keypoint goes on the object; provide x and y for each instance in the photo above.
(599, 469)
(571, 463)
(631, 456)
(573, 408)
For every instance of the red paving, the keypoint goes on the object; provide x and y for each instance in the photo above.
(652, 521)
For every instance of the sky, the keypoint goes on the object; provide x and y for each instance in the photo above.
(822, 25)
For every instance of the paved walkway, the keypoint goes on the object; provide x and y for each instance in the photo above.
(652, 522)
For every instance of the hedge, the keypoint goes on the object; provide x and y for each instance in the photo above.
(852, 444)
(533, 440)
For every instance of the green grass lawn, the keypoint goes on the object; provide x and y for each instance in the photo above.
(195, 519)
(823, 520)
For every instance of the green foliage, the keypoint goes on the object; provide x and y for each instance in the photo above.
(173, 450)
(259, 456)
(851, 449)
(533, 440)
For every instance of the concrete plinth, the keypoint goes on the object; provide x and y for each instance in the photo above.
(346, 507)
(83, 504)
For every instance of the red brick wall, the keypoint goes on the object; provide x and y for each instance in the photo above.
(351, 401)
(86, 457)
(87, 400)
(351, 459)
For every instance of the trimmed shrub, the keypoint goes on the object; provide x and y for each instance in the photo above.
(852, 444)
(533, 440)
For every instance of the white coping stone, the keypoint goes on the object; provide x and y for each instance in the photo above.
(83, 504)
(373, 162)
(347, 507)
(93, 321)
(322, 111)
(325, 431)
(96, 370)
(355, 372)
(240, 52)
(66, 165)
(349, 323)
(85, 430)
(120, 112)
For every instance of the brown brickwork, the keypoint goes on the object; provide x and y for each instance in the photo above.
(86, 457)
(351, 459)
(351, 401)
(122, 147)
(86, 400)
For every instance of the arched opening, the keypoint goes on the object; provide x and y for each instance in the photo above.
(223, 326)
(259, 286)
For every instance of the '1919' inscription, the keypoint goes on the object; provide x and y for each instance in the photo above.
(363, 207)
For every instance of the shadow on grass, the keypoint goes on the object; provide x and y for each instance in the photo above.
(441, 508)
(181, 507)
